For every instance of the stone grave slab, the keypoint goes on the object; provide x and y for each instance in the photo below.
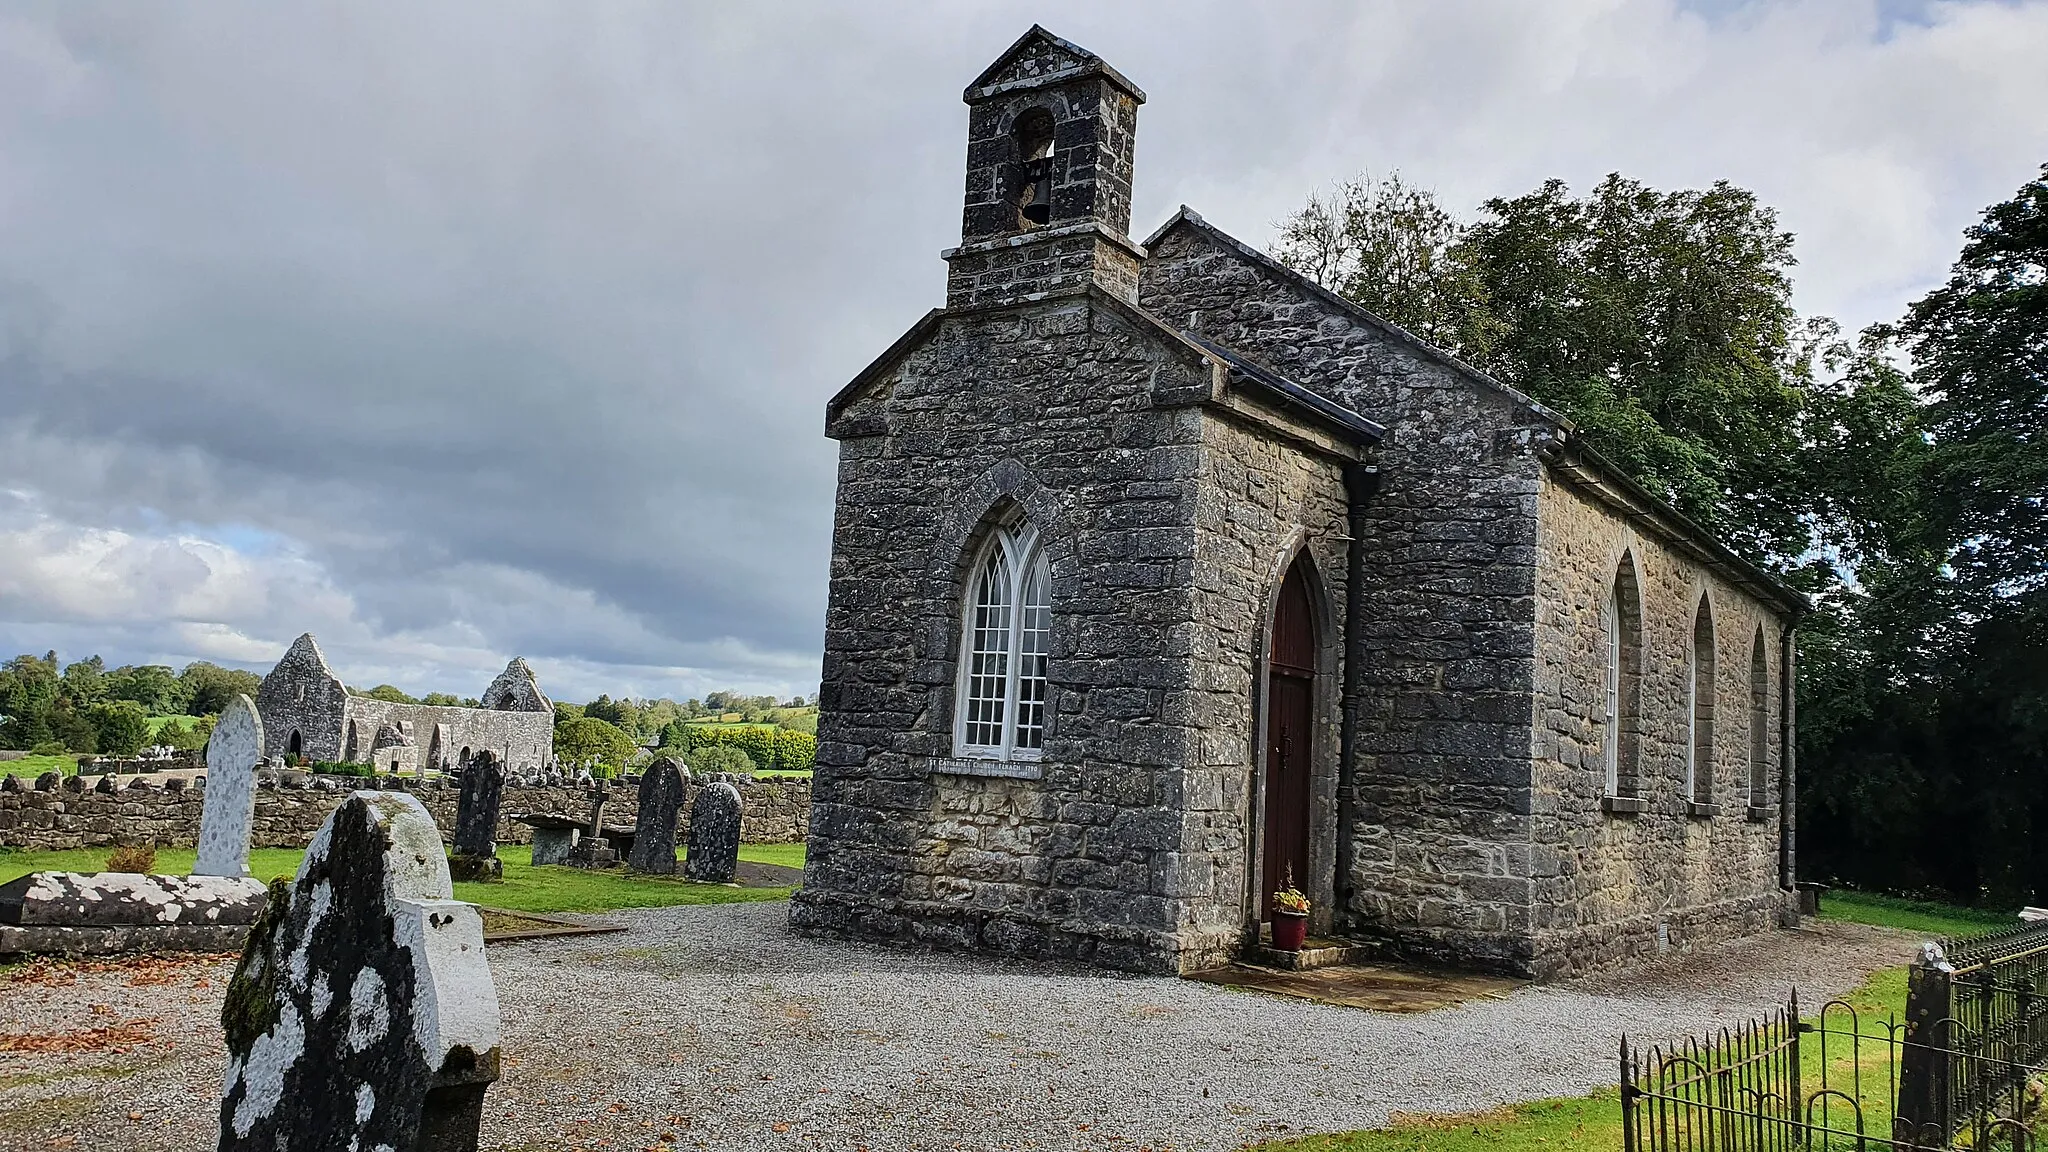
(362, 1014)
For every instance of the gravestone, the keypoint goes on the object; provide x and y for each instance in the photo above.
(714, 835)
(362, 1014)
(593, 850)
(232, 753)
(661, 800)
(553, 837)
(476, 820)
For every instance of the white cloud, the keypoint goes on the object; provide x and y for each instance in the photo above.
(450, 333)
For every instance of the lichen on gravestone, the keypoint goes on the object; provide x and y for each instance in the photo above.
(362, 1014)
(232, 753)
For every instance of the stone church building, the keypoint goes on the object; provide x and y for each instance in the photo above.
(307, 711)
(1163, 578)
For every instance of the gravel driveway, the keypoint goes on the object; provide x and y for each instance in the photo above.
(715, 1027)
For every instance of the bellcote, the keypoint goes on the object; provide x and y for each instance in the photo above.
(1051, 135)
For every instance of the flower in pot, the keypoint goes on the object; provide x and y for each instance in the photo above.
(1290, 918)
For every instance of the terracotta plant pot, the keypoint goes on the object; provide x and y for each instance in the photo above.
(1290, 930)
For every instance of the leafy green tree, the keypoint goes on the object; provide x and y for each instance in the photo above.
(29, 688)
(1980, 347)
(153, 686)
(120, 726)
(208, 687)
(719, 758)
(85, 681)
(442, 699)
(1390, 247)
(391, 694)
(795, 750)
(586, 739)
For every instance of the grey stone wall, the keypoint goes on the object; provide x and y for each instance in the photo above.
(1260, 503)
(774, 810)
(522, 740)
(302, 695)
(1048, 411)
(1620, 886)
(1442, 845)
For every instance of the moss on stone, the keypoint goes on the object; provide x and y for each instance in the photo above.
(249, 1009)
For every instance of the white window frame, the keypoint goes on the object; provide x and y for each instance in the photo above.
(1610, 752)
(1023, 561)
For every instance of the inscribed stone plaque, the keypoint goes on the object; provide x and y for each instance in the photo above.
(661, 800)
(232, 753)
(714, 835)
(362, 1014)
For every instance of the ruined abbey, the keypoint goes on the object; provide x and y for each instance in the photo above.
(1163, 578)
(308, 712)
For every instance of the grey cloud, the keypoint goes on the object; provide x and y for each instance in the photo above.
(514, 326)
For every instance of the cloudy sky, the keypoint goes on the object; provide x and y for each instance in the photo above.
(454, 331)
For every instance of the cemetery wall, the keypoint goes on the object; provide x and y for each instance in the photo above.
(772, 812)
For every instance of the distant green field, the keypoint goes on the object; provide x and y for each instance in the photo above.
(37, 765)
(526, 888)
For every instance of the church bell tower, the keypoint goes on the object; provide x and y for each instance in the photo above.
(1051, 131)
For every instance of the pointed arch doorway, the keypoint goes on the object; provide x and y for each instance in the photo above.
(1290, 718)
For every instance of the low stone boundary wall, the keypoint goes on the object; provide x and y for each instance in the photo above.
(774, 810)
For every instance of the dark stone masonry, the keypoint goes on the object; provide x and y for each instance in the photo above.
(776, 811)
(1160, 574)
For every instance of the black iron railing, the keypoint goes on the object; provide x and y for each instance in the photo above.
(1961, 1071)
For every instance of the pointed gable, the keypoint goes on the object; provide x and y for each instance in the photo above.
(516, 690)
(1038, 59)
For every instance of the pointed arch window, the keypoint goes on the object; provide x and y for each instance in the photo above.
(1006, 635)
(1700, 692)
(1759, 721)
(1622, 631)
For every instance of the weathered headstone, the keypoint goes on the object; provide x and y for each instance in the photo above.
(714, 854)
(232, 753)
(553, 837)
(362, 1014)
(661, 800)
(476, 820)
(593, 850)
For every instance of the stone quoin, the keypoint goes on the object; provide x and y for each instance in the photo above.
(1162, 576)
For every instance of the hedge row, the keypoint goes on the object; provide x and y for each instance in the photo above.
(767, 746)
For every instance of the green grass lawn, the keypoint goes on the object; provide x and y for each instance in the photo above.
(1587, 1123)
(1593, 1123)
(33, 766)
(1924, 917)
(526, 888)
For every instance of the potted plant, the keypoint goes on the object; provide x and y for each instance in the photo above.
(1290, 917)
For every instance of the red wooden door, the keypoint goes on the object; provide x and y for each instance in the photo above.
(1290, 708)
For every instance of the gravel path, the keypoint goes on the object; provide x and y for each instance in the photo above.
(717, 1028)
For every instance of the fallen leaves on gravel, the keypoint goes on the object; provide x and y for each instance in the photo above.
(116, 1036)
(142, 971)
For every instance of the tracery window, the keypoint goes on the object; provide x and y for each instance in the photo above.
(1006, 635)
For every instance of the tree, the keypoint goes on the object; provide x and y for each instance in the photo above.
(1980, 345)
(29, 688)
(441, 699)
(719, 758)
(153, 686)
(586, 740)
(85, 681)
(391, 694)
(1390, 247)
(121, 727)
(209, 687)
